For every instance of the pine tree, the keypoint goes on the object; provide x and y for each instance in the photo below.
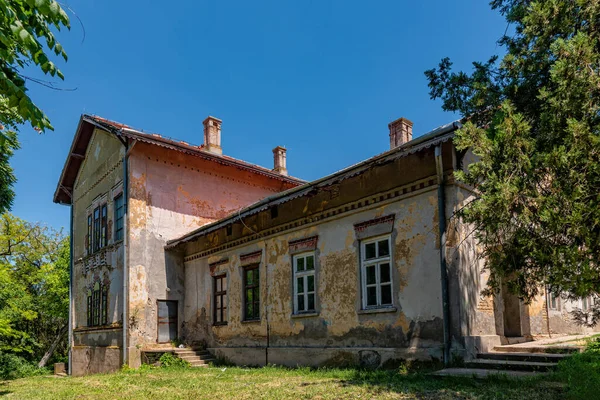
(534, 122)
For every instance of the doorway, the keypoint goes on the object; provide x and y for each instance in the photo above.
(167, 321)
(512, 313)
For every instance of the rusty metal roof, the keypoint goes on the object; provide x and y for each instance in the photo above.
(84, 133)
(436, 136)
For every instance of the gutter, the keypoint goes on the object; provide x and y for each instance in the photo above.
(125, 247)
(442, 238)
(70, 338)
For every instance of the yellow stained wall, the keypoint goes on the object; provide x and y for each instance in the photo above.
(95, 349)
(415, 321)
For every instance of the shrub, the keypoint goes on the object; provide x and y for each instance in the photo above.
(13, 367)
(168, 360)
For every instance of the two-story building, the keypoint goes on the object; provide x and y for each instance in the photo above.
(365, 266)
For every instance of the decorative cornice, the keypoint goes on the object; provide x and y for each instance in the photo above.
(399, 192)
(251, 258)
(104, 176)
(374, 227)
(300, 245)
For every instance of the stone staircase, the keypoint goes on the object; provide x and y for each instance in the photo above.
(512, 361)
(197, 357)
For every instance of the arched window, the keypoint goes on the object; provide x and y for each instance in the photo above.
(97, 304)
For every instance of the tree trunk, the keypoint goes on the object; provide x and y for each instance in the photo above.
(53, 346)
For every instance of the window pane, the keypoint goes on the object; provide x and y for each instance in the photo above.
(386, 294)
(218, 302)
(384, 248)
(255, 279)
(310, 283)
(300, 264)
(301, 303)
(310, 263)
(384, 273)
(300, 284)
(370, 251)
(371, 275)
(219, 284)
(311, 302)
(372, 296)
(249, 296)
(249, 276)
(249, 311)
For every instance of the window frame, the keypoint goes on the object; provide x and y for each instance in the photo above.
(119, 220)
(90, 241)
(97, 305)
(305, 274)
(224, 300)
(377, 262)
(554, 299)
(255, 287)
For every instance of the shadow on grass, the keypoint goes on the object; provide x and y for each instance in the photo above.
(421, 385)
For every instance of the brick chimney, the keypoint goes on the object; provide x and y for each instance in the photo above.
(212, 135)
(400, 132)
(279, 160)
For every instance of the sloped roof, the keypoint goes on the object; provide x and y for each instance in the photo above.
(84, 133)
(432, 138)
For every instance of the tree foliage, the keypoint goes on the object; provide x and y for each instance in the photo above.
(534, 122)
(26, 40)
(34, 286)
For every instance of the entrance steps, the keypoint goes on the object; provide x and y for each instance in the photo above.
(510, 363)
(197, 357)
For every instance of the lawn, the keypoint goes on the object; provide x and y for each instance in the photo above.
(276, 383)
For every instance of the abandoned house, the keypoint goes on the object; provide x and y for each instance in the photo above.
(176, 242)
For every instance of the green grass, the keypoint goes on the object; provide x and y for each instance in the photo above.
(276, 383)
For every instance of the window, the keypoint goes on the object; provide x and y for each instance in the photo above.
(96, 235)
(119, 217)
(103, 225)
(97, 305)
(554, 302)
(304, 283)
(89, 235)
(251, 293)
(220, 300)
(587, 303)
(376, 273)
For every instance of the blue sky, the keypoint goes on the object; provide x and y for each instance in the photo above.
(321, 77)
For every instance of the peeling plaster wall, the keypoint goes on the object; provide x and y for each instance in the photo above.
(170, 194)
(561, 321)
(97, 349)
(413, 328)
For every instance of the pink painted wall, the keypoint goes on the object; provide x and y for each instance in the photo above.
(170, 194)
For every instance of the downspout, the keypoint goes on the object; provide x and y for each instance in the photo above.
(70, 339)
(442, 237)
(125, 248)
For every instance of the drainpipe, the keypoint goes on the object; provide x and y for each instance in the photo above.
(125, 247)
(70, 340)
(442, 236)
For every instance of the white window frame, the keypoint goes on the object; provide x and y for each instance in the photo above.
(304, 275)
(364, 263)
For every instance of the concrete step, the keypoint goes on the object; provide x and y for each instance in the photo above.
(511, 365)
(483, 373)
(535, 357)
(196, 358)
(539, 349)
(193, 353)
